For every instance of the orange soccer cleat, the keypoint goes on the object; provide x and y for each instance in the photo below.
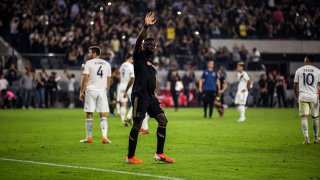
(133, 160)
(142, 131)
(88, 140)
(164, 158)
(106, 141)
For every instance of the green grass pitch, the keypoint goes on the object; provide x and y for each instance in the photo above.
(267, 146)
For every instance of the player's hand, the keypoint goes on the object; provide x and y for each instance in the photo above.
(149, 19)
(125, 95)
(200, 90)
(81, 96)
(219, 93)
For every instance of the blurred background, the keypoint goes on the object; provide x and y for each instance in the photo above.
(44, 43)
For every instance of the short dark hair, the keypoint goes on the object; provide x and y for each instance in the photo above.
(95, 49)
(311, 58)
(72, 75)
(128, 56)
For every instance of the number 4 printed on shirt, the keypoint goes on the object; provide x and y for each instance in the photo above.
(100, 72)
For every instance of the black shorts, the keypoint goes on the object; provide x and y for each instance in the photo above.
(142, 105)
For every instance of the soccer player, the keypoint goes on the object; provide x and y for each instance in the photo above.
(242, 93)
(143, 95)
(209, 85)
(125, 88)
(306, 82)
(96, 78)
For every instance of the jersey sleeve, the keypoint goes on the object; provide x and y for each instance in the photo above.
(86, 68)
(108, 70)
(296, 78)
(131, 72)
(246, 77)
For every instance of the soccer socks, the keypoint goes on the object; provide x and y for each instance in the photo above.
(123, 113)
(104, 126)
(316, 127)
(161, 137)
(89, 128)
(145, 123)
(129, 115)
(242, 111)
(133, 139)
(304, 126)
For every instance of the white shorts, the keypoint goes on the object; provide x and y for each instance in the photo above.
(96, 100)
(241, 98)
(309, 108)
(120, 93)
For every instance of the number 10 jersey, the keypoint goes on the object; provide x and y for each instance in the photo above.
(308, 78)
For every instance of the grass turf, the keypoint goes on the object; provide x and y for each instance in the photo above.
(267, 146)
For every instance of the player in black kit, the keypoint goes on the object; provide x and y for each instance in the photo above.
(143, 95)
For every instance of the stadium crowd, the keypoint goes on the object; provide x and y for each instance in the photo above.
(184, 28)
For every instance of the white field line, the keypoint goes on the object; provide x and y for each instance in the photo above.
(90, 168)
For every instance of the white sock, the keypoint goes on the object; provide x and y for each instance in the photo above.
(104, 126)
(89, 128)
(145, 123)
(129, 115)
(316, 127)
(242, 110)
(123, 113)
(118, 107)
(304, 126)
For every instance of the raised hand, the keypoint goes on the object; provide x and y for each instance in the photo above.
(150, 19)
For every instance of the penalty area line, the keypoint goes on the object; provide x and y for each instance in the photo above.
(90, 168)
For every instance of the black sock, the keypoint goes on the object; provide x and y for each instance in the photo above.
(133, 139)
(161, 136)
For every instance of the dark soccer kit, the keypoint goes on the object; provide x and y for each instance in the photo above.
(142, 97)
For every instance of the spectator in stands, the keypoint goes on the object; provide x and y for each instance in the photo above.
(271, 87)
(280, 87)
(187, 80)
(3, 83)
(255, 56)
(40, 90)
(263, 87)
(174, 86)
(52, 90)
(290, 93)
(12, 74)
(26, 84)
(71, 88)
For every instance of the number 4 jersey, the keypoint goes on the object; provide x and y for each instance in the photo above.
(308, 78)
(98, 70)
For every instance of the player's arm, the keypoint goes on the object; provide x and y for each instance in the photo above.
(108, 83)
(130, 83)
(200, 85)
(219, 86)
(84, 83)
(225, 86)
(249, 83)
(296, 89)
(148, 21)
(156, 89)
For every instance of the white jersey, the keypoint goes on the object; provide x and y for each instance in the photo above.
(243, 81)
(308, 78)
(98, 70)
(126, 72)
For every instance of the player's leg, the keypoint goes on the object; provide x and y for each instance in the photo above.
(304, 111)
(314, 112)
(212, 97)
(139, 111)
(103, 107)
(89, 107)
(144, 128)
(155, 110)
(205, 102)
(240, 101)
